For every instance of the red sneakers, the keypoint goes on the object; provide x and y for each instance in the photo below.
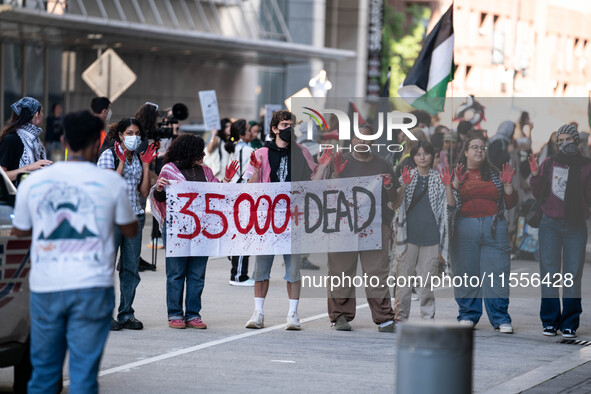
(196, 323)
(176, 323)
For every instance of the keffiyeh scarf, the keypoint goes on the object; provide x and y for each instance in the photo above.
(33, 148)
(438, 202)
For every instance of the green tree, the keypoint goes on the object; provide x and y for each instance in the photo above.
(402, 38)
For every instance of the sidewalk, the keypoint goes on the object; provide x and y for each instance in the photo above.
(229, 358)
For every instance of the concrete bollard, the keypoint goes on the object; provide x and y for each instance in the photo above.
(434, 358)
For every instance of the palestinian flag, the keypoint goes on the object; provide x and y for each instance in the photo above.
(425, 85)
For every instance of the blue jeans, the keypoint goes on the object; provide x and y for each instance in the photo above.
(129, 276)
(181, 270)
(73, 320)
(557, 237)
(475, 253)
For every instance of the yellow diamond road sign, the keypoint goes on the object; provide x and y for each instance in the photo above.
(109, 76)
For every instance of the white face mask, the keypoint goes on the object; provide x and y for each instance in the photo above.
(109, 113)
(132, 142)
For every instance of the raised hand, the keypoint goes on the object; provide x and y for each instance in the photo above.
(149, 154)
(406, 177)
(445, 175)
(120, 155)
(339, 166)
(325, 157)
(460, 174)
(533, 164)
(231, 170)
(254, 162)
(507, 175)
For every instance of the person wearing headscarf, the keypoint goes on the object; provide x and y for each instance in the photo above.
(498, 147)
(21, 149)
(563, 184)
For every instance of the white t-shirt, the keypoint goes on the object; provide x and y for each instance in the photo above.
(246, 150)
(72, 208)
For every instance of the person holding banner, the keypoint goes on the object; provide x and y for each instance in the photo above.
(281, 160)
(422, 229)
(480, 241)
(182, 163)
(124, 159)
(240, 150)
(342, 300)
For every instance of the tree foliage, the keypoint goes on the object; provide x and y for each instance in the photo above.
(402, 38)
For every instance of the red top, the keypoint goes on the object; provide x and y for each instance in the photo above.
(479, 198)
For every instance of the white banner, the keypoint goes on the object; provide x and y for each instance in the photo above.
(216, 219)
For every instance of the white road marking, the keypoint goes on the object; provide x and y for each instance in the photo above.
(150, 360)
(283, 361)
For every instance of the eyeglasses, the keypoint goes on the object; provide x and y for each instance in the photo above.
(478, 148)
(155, 105)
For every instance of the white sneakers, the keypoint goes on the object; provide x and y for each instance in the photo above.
(246, 283)
(257, 320)
(506, 328)
(292, 321)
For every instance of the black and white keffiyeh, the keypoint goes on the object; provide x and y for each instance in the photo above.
(33, 148)
(438, 202)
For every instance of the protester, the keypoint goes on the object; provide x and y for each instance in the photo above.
(101, 107)
(70, 209)
(183, 163)
(423, 228)
(134, 168)
(464, 130)
(147, 115)
(563, 184)
(374, 263)
(216, 157)
(255, 130)
(480, 243)
(239, 149)
(405, 159)
(452, 149)
(21, 149)
(53, 133)
(500, 146)
(280, 160)
(423, 121)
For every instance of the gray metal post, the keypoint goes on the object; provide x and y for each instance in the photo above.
(434, 358)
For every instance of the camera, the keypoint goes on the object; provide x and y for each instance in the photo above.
(165, 128)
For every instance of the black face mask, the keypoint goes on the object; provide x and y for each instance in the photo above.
(285, 134)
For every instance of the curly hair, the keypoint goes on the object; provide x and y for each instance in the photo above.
(147, 115)
(185, 150)
(278, 117)
(113, 134)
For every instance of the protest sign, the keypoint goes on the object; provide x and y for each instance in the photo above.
(210, 109)
(216, 219)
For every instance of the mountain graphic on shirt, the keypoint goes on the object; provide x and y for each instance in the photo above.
(66, 231)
